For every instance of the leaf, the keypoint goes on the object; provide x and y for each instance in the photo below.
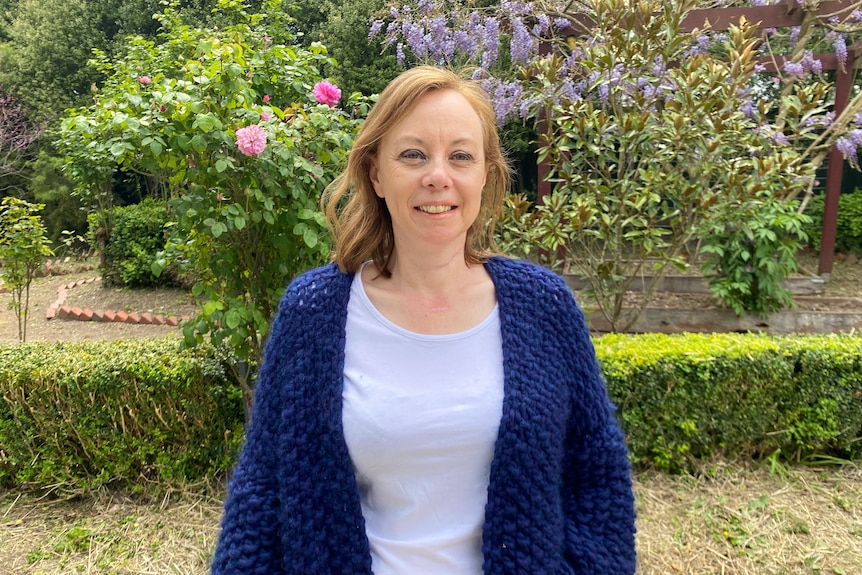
(199, 143)
(207, 123)
(156, 148)
(232, 318)
(218, 229)
(118, 149)
(310, 238)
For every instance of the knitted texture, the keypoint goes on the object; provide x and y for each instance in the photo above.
(559, 500)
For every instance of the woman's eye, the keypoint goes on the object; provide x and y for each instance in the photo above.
(462, 157)
(412, 155)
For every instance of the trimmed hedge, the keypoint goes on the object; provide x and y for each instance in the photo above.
(698, 396)
(76, 416)
(137, 236)
(848, 233)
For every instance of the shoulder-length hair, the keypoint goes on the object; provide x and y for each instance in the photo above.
(359, 220)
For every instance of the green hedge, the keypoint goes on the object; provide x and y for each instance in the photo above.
(76, 416)
(848, 233)
(137, 236)
(694, 396)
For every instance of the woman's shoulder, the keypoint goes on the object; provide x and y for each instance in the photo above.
(525, 277)
(318, 280)
(316, 287)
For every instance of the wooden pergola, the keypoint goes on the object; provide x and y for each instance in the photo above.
(784, 15)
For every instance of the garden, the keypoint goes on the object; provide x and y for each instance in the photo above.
(149, 229)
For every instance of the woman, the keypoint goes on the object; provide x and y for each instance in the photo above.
(424, 407)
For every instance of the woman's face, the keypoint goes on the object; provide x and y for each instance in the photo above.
(430, 169)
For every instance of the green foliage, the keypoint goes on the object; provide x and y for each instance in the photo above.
(138, 236)
(52, 40)
(23, 248)
(342, 25)
(50, 187)
(751, 249)
(695, 397)
(243, 224)
(641, 173)
(78, 416)
(849, 228)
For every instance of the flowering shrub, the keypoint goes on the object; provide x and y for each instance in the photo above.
(654, 135)
(230, 131)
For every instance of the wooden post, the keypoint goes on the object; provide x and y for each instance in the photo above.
(835, 170)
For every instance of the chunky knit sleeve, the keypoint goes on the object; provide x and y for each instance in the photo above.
(598, 503)
(249, 540)
(293, 505)
(562, 469)
(597, 492)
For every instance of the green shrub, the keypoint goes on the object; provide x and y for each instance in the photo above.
(849, 227)
(77, 416)
(694, 397)
(137, 234)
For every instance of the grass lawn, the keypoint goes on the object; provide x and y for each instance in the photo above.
(783, 521)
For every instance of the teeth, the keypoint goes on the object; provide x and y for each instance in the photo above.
(435, 209)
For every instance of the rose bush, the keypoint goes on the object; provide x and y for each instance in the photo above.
(229, 129)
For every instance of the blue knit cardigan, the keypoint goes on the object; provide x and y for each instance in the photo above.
(559, 500)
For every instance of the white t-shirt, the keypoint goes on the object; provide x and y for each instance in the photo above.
(421, 415)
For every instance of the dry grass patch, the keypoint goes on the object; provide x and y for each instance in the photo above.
(752, 522)
(107, 535)
(727, 521)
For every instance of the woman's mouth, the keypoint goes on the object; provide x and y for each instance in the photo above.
(435, 209)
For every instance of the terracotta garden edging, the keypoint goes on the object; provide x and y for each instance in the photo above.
(58, 310)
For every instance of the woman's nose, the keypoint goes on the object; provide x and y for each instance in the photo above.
(437, 175)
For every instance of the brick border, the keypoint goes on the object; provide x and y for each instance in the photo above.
(58, 310)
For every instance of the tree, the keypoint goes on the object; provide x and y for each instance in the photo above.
(18, 135)
(226, 122)
(23, 249)
(52, 41)
(656, 134)
(361, 66)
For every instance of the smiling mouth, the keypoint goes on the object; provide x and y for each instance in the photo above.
(435, 209)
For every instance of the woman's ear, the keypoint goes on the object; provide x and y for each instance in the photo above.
(373, 176)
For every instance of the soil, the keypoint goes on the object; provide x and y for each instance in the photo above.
(96, 296)
(843, 292)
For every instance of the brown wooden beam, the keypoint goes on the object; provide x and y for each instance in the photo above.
(774, 16)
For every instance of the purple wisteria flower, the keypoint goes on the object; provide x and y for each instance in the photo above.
(840, 45)
(376, 26)
(794, 69)
(522, 42)
(849, 144)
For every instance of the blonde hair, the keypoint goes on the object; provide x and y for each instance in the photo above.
(359, 220)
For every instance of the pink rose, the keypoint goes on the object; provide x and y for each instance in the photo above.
(326, 92)
(144, 79)
(266, 97)
(265, 116)
(251, 140)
